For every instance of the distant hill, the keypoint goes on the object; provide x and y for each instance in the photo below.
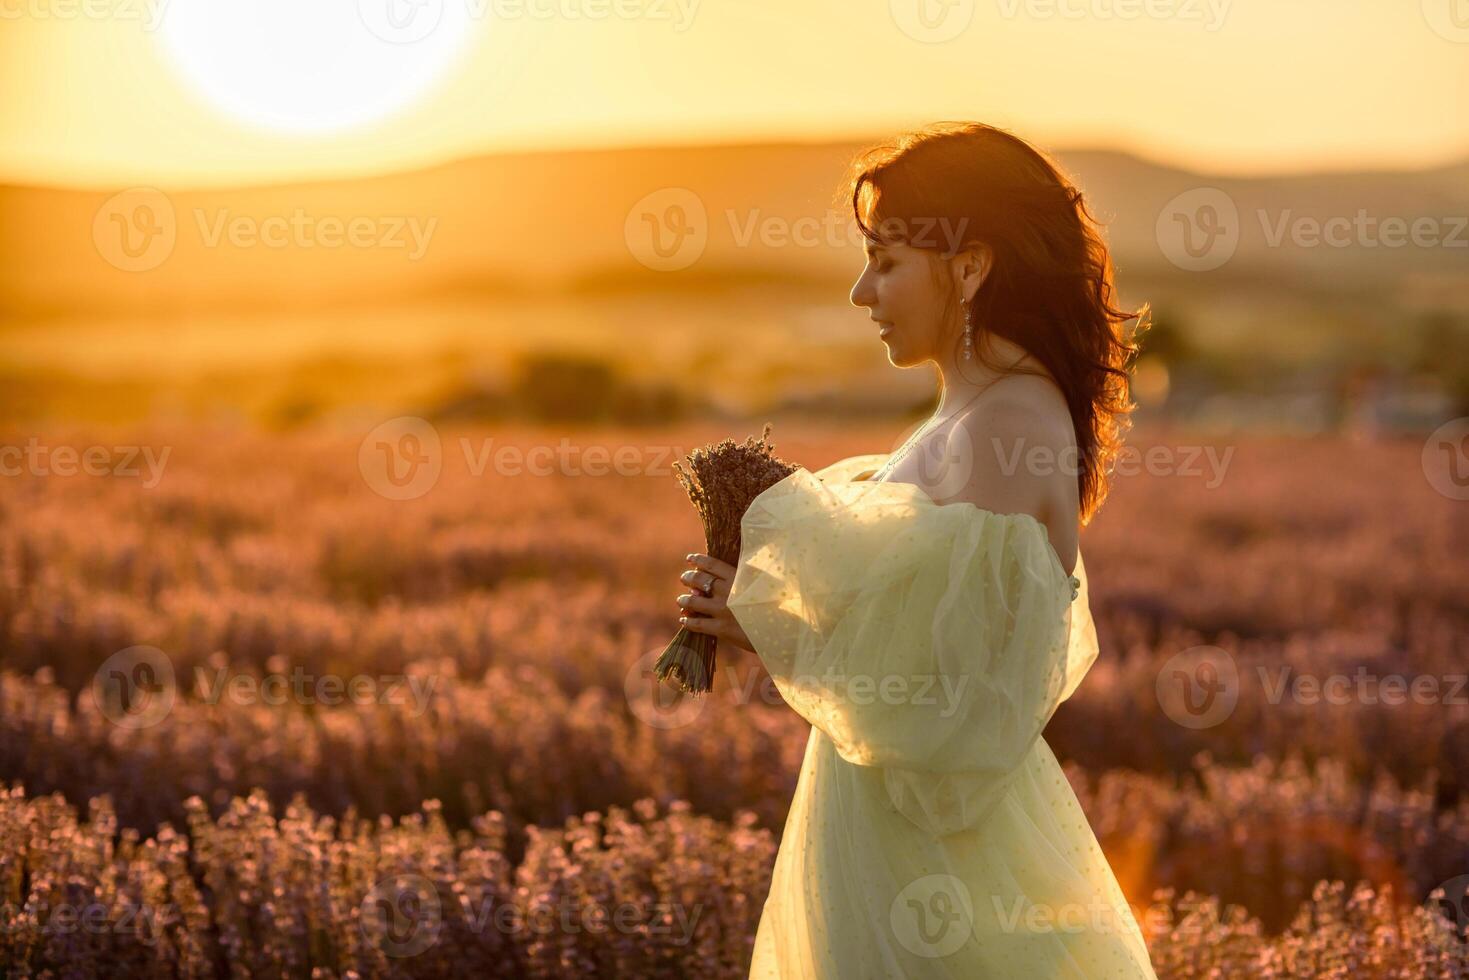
(536, 222)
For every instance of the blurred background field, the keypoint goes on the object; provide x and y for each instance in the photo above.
(1290, 332)
(534, 605)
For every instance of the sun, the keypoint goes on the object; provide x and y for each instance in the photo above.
(314, 66)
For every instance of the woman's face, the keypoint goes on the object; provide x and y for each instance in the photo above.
(900, 289)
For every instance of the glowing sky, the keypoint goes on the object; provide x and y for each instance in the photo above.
(106, 92)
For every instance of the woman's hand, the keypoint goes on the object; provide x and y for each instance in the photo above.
(709, 581)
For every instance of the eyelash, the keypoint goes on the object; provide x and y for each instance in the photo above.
(884, 266)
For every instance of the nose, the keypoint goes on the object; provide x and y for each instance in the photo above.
(862, 292)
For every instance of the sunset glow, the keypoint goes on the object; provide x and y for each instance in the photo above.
(149, 90)
(308, 67)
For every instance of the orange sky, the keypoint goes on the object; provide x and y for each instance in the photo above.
(112, 92)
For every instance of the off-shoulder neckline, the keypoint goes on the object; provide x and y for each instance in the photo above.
(1018, 515)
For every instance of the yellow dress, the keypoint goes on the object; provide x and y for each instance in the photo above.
(932, 833)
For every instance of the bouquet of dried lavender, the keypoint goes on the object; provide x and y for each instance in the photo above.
(721, 480)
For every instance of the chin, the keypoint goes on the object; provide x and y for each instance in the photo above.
(898, 356)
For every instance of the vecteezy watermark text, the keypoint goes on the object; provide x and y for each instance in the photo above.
(669, 229)
(302, 229)
(136, 230)
(661, 706)
(938, 21)
(1186, 461)
(1210, 13)
(411, 21)
(143, 922)
(1363, 687)
(149, 13)
(137, 688)
(403, 458)
(37, 459)
(403, 916)
(300, 687)
(1200, 687)
(566, 459)
(1201, 229)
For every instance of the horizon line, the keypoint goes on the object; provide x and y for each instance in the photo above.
(1060, 150)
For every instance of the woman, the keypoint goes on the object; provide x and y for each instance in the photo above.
(926, 611)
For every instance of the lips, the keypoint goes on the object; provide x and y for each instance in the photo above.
(884, 328)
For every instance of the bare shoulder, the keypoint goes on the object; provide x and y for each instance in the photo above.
(1021, 417)
(1024, 401)
(1019, 447)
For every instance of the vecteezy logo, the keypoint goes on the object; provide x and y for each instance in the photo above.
(1453, 904)
(135, 688)
(402, 915)
(1449, 19)
(667, 229)
(402, 458)
(1199, 687)
(932, 916)
(932, 21)
(945, 462)
(657, 703)
(1199, 229)
(1446, 459)
(401, 21)
(135, 230)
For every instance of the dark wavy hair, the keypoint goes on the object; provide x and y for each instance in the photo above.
(1050, 289)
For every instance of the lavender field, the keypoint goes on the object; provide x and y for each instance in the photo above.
(258, 718)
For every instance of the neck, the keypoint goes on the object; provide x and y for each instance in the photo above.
(960, 379)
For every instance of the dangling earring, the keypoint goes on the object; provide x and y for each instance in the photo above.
(968, 333)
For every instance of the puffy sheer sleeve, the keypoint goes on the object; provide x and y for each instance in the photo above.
(932, 640)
